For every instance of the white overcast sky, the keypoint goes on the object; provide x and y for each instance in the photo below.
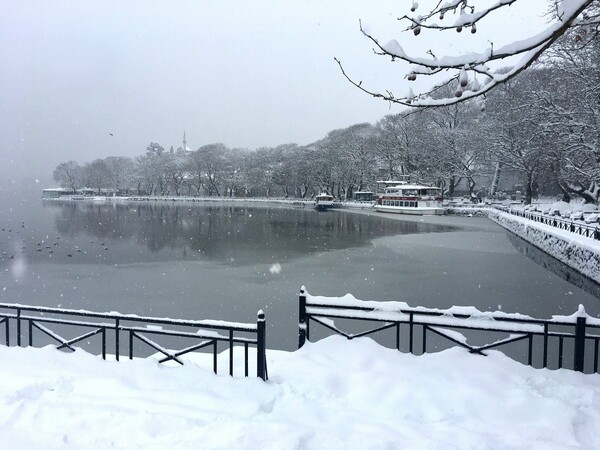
(245, 73)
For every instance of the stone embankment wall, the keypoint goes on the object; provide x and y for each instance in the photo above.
(578, 252)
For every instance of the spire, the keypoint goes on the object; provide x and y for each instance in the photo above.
(184, 142)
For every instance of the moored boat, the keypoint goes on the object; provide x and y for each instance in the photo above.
(414, 199)
(323, 202)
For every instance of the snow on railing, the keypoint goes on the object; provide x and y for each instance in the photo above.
(544, 338)
(199, 333)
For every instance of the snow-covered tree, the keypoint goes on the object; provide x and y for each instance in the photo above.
(453, 147)
(68, 175)
(175, 166)
(97, 174)
(284, 174)
(397, 148)
(569, 103)
(515, 137)
(120, 171)
(347, 158)
(470, 72)
(211, 163)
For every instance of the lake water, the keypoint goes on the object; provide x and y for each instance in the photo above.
(228, 261)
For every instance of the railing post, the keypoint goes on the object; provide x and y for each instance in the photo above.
(18, 327)
(117, 339)
(130, 344)
(261, 350)
(103, 343)
(410, 335)
(579, 354)
(301, 318)
(231, 350)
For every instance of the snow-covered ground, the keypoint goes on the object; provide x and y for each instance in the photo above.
(333, 394)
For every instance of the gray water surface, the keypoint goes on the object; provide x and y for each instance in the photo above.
(228, 261)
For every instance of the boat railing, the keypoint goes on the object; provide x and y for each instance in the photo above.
(26, 325)
(561, 342)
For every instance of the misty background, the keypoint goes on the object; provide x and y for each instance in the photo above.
(82, 80)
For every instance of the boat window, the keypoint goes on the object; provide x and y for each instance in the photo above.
(410, 192)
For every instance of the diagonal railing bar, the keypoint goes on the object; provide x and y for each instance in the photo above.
(188, 350)
(52, 334)
(80, 338)
(332, 328)
(374, 330)
(158, 347)
(456, 341)
(508, 340)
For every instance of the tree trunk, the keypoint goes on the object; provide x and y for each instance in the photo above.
(529, 188)
(451, 186)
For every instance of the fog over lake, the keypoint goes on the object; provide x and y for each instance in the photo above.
(227, 261)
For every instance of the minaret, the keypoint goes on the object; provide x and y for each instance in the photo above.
(184, 142)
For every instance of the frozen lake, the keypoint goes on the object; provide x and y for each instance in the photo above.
(226, 262)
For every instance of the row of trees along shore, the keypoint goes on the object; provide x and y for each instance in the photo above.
(540, 129)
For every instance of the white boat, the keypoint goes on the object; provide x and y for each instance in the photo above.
(323, 202)
(57, 193)
(411, 199)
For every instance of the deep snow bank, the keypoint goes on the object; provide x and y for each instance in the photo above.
(579, 252)
(333, 394)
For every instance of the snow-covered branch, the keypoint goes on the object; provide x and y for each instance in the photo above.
(461, 70)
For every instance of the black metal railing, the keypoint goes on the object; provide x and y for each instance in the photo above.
(582, 229)
(542, 338)
(148, 332)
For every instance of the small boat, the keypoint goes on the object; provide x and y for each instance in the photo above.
(323, 202)
(411, 199)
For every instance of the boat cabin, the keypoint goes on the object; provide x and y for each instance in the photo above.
(364, 196)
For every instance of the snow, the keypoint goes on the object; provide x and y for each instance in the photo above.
(275, 269)
(578, 252)
(397, 310)
(333, 394)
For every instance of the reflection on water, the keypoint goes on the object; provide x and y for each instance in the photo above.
(555, 266)
(225, 234)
